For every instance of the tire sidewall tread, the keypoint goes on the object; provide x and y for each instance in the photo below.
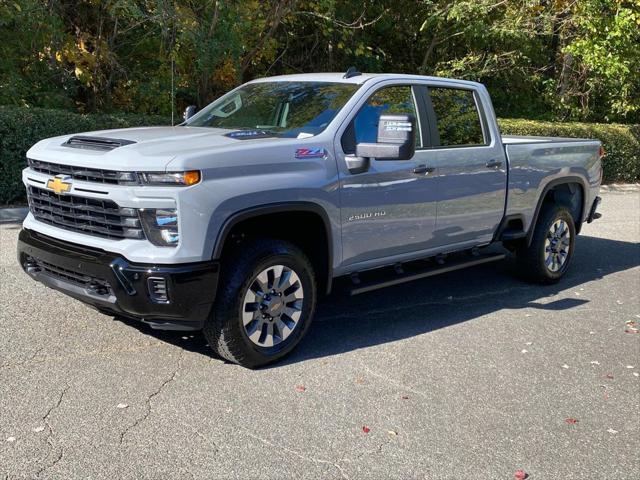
(224, 329)
(531, 258)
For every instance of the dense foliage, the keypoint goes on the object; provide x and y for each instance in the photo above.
(552, 59)
(21, 127)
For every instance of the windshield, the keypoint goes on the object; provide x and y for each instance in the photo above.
(287, 109)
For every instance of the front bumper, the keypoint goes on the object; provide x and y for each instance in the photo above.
(109, 282)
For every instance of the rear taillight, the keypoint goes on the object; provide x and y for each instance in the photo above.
(601, 152)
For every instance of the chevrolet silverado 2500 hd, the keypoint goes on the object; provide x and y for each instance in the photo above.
(236, 221)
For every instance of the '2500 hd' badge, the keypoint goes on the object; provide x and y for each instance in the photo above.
(59, 184)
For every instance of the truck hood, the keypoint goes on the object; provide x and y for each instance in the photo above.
(151, 148)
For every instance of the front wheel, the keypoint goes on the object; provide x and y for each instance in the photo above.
(265, 303)
(547, 259)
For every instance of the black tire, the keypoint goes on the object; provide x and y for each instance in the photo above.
(532, 259)
(225, 330)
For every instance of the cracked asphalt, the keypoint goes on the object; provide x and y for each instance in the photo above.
(473, 374)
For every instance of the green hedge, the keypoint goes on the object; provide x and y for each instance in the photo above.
(621, 142)
(22, 127)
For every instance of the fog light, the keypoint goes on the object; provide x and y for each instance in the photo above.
(158, 291)
(161, 226)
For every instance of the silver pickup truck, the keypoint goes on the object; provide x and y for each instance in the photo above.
(238, 220)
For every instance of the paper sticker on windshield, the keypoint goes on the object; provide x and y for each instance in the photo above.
(314, 152)
(249, 134)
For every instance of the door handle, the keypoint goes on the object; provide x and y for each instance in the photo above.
(494, 164)
(423, 169)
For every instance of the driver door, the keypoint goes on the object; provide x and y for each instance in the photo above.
(389, 209)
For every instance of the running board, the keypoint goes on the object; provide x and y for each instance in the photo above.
(437, 269)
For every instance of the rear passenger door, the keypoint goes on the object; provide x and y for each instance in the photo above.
(471, 176)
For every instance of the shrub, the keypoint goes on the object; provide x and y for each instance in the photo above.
(20, 128)
(621, 142)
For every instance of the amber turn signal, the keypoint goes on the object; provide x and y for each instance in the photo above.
(191, 177)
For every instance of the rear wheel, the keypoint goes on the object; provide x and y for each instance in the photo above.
(547, 259)
(264, 305)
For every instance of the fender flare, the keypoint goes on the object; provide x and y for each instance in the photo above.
(552, 184)
(279, 207)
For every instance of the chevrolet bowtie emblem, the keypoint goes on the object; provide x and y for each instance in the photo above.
(58, 184)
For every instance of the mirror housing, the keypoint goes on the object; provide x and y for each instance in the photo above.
(189, 112)
(396, 139)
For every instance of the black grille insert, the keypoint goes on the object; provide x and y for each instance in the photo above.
(97, 286)
(102, 218)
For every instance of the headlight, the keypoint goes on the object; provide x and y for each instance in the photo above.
(171, 178)
(161, 226)
(180, 179)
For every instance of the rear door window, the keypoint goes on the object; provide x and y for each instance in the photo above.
(457, 117)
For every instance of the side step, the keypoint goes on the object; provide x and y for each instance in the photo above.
(431, 270)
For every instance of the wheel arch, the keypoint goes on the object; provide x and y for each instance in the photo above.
(324, 264)
(562, 191)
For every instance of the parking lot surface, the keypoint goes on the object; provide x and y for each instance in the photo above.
(472, 374)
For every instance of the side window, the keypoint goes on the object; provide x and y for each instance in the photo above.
(457, 117)
(388, 100)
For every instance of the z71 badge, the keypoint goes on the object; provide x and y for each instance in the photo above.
(314, 152)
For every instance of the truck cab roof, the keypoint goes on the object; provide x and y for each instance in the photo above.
(357, 79)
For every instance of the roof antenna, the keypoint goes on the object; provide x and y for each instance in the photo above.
(351, 72)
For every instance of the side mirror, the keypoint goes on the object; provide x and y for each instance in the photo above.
(189, 112)
(396, 139)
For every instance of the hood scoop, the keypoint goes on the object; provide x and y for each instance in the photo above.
(96, 143)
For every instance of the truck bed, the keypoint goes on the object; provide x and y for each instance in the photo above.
(536, 161)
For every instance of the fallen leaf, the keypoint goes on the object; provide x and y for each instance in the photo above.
(525, 351)
(629, 366)
(122, 405)
(636, 374)
(595, 362)
(11, 439)
(520, 475)
(592, 333)
(300, 388)
(609, 376)
(404, 397)
(571, 421)
(392, 433)
(619, 302)
(366, 429)
(612, 431)
(529, 343)
(565, 366)
(360, 380)
(39, 429)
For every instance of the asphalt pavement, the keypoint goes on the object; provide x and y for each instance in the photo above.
(472, 374)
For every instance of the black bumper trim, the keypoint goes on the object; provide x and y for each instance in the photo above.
(191, 286)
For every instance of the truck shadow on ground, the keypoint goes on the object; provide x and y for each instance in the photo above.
(344, 323)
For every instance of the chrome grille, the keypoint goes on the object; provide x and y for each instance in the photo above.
(96, 175)
(102, 218)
